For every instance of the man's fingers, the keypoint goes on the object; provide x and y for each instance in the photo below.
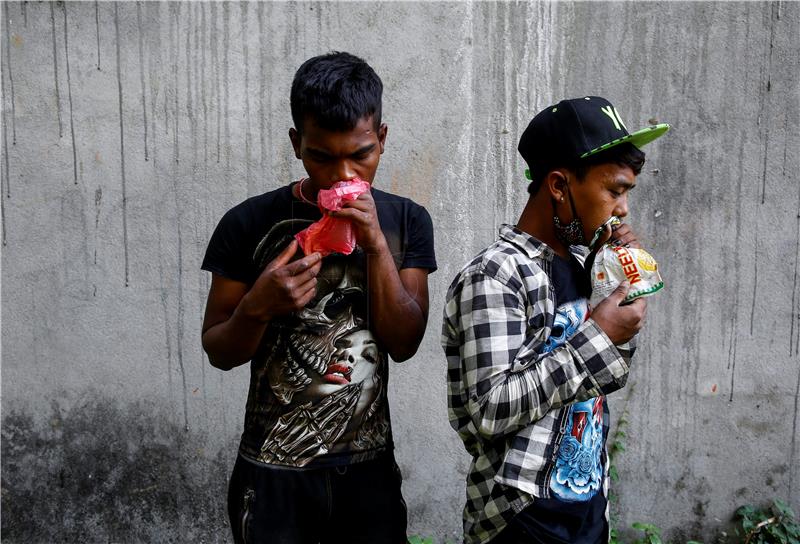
(625, 236)
(620, 231)
(619, 294)
(284, 256)
(301, 265)
(296, 290)
(640, 305)
(362, 203)
(303, 287)
(352, 214)
(308, 290)
(624, 239)
(308, 274)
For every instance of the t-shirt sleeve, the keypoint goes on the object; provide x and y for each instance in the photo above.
(419, 251)
(229, 253)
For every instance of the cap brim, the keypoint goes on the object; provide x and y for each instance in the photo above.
(638, 138)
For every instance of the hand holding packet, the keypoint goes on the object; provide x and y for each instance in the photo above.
(332, 234)
(613, 264)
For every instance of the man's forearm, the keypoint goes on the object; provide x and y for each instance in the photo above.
(233, 342)
(586, 366)
(395, 316)
(501, 364)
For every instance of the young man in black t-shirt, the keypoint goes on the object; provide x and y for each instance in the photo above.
(315, 460)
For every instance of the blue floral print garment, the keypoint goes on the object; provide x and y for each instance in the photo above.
(579, 472)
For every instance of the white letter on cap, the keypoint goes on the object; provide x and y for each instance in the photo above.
(619, 119)
(611, 114)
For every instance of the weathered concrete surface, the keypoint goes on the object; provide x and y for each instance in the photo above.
(128, 129)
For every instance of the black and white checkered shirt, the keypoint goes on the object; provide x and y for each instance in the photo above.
(507, 399)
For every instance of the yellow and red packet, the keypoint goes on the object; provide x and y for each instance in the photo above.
(614, 264)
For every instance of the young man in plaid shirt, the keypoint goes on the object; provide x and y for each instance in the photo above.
(529, 362)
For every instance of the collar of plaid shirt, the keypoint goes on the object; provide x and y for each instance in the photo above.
(530, 246)
(533, 248)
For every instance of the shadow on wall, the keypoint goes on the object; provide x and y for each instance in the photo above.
(101, 472)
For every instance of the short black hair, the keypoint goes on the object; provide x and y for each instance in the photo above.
(336, 90)
(625, 154)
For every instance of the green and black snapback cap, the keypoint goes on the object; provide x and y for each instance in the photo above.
(578, 128)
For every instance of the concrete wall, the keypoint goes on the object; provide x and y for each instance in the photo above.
(128, 129)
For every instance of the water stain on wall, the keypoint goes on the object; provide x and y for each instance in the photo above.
(187, 66)
(69, 95)
(55, 71)
(3, 217)
(215, 69)
(247, 136)
(122, 151)
(174, 29)
(100, 471)
(141, 74)
(154, 59)
(97, 30)
(10, 72)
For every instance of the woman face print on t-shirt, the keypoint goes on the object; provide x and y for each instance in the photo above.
(324, 367)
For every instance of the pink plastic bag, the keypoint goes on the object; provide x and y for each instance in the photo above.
(331, 234)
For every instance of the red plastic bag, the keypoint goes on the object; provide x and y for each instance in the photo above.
(332, 234)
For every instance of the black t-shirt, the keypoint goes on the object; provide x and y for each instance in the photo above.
(575, 513)
(319, 378)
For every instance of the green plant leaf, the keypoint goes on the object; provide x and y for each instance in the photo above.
(780, 532)
(745, 511)
(782, 509)
(650, 528)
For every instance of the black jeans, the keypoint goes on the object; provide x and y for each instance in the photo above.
(359, 503)
(537, 526)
